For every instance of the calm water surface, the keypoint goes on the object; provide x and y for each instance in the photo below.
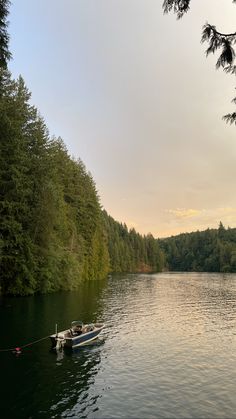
(168, 350)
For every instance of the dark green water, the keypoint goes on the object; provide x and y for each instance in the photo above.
(168, 350)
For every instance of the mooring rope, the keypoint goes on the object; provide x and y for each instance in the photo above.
(19, 348)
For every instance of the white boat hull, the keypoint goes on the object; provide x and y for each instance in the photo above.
(67, 339)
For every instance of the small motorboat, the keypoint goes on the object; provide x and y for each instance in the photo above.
(77, 335)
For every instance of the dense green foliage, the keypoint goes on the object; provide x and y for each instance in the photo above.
(51, 230)
(5, 54)
(205, 251)
(53, 233)
(131, 252)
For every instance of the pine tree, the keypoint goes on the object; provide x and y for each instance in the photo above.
(216, 41)
(5, 54)
(17, 263)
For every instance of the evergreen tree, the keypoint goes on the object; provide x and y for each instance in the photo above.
(16, 125)
(216, 41)
(5, 54)
(129, 251)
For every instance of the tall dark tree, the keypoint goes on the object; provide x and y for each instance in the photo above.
(16, 127)
(5, 54)
(217, 41)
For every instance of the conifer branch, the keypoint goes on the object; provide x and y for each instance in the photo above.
(5, 54)
(216, 41)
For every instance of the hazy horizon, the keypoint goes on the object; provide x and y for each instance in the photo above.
(132, 94)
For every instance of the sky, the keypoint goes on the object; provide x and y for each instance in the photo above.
(133, 95)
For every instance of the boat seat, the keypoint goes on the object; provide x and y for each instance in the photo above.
(72, 332)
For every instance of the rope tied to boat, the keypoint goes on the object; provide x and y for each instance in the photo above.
(18, 349)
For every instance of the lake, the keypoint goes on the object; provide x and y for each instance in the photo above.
(168, 350)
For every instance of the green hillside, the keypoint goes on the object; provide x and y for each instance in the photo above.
(212, 250)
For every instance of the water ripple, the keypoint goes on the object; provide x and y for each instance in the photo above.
(168, 351)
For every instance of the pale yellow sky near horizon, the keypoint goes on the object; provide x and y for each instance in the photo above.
(131, 92)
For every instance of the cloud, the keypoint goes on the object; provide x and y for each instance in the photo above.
(188, 219)
(184, 212)
(227, 210)
(204, 215)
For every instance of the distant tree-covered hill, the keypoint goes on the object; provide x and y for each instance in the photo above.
(129, 251)
(212, 250)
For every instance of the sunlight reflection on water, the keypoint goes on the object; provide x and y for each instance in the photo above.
(168, 351)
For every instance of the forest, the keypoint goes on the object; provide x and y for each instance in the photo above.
(212, 250)
(131, 252)
(53, 231)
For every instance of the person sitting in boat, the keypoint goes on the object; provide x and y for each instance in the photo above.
(78, 329)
